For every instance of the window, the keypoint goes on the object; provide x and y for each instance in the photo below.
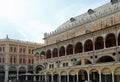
(23, 50)
(14, 60)
(20, 61)
(29, 51)
(24, 61)
(29, 61)
(20, 50)
(65, 64)
(10, 59)
(14, 49)
(11, 49)
(32, 61)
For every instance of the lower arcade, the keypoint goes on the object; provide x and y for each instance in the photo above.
(89, 73)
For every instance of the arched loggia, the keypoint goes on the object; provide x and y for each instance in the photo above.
(88, 46)
(55, 52)
(99, 43)
(78, 48)
(106, 75)
(110, 40)
(82, 75)
(94, 75)
(70, 49)
(48, 54)
(62, 51)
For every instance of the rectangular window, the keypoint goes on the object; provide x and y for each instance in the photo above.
(20, 61)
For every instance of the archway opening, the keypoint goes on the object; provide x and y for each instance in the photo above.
(110, 40)
(117, 74)
(78, 48)
(94, 75)
(70, 49)
(82, 75)
(63, 76)
(55, 52)
(72, 76)
(55, 77)
(99, 43)
(106, 75)
(88, 46)
(42, 55)
(48, 54)
(49, 77)
(12, 73)
(22, 70)
(105, 59)
(62, 51)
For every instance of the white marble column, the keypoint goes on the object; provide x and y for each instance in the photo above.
(88, 76)
(67, 78)
(99, 77)
(113, 77)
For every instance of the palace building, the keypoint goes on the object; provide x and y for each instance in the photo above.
(16, 57)
(84, 48)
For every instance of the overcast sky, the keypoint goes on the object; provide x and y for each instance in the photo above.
(29, 19)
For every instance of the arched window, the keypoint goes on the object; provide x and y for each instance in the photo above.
(48, 54)
(55, 52)
(99, 43)
(69, 49)
(110, 40)
(78, 48)
(88, 46)
(62, 51)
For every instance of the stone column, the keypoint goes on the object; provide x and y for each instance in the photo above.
(113, 77)
(67, 78)
(52, 77)
(26, 73)
(88, 76)
(99, 77)
(17, 74)
(34, 78)
(65, 51)
(104, 42)
(59, 78)
(6, 73)
(77, 78)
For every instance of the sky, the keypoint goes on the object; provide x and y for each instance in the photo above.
(28, 20)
